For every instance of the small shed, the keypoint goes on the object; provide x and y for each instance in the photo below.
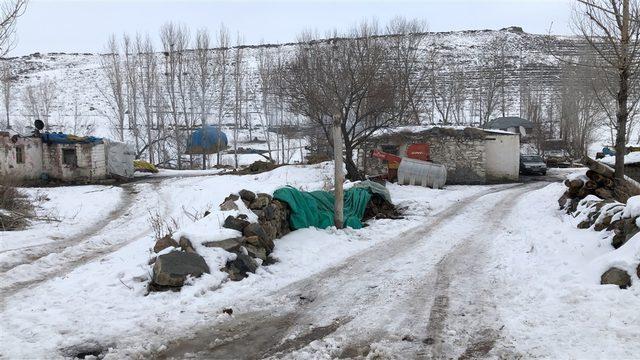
(512, 124)
(471, 155)
(63, 157)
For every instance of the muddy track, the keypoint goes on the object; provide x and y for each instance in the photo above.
(330, 295)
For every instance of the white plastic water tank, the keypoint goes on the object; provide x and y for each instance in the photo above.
(421, 173)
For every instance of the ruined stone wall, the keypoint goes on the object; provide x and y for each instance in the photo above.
(89, 165)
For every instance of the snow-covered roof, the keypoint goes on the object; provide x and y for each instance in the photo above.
(416, 129)
(631, 158)
(509, 121)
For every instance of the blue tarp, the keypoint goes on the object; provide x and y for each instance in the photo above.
(60, 138)
(209, 140)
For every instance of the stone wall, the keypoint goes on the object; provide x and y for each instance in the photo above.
(31, 166)
(461, 151)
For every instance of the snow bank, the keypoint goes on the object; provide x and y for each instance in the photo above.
(630, 158)
(545, 260)
(632, 209)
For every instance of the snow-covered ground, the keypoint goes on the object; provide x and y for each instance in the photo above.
(503, 255)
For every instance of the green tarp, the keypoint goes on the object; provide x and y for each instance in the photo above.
(315, 208)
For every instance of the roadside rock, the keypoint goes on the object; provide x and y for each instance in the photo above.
(186, 245)
(256, 252)
(171, 270)
(230, 245)
(616, 276)
(235, 223)
(228, 205)
(241, 266)
(247, 195)
(260, 202)
(638, 271)
(165, 242)
(257, 230)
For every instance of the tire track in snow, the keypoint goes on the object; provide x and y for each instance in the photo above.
(333, 284)
(86, 249)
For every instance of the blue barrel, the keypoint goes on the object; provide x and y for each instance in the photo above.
(207, 140)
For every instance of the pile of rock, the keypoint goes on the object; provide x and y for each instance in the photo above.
(172, 269)
(257, 239)
(602, 214)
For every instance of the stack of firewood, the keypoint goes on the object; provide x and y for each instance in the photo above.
(599, 181)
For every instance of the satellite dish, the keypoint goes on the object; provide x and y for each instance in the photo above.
(39, 124)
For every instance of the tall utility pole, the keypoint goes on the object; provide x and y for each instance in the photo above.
(338, 206)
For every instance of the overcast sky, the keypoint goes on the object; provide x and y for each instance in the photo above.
(84, 26)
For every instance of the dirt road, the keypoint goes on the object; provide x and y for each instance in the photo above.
(422, 294)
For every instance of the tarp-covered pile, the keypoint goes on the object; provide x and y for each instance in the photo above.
(60, 138)
(315, 208)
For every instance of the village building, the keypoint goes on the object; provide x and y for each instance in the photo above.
(62, 157)
(470, 155)
(512, 124)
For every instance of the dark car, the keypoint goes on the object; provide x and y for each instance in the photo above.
(532, 164)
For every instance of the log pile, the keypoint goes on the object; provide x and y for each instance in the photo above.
(599, 181)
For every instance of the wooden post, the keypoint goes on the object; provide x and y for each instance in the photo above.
(338, 205)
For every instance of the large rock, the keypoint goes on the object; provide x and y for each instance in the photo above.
(165, 242)
(231, 245)
(255, 229)
(186, 245)
(235, 223)
(173, 268)
(241, 266)
(256, 252)
(624, 230)
(229, 205)
(616, 276)
(247, 195)
(260, 202)
(638, 271)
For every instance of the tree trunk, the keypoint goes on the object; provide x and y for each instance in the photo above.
(338, 176)
(623, 94)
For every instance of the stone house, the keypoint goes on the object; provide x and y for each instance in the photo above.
(62, 157)
(471, 155)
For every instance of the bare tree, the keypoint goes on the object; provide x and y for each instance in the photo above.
(222, 60)
(147, 76)
(6, 84)
(612, 30)
(39, 100)
(204, 72)
(114, 94)
(175, 39)
(238, 99)
(10, 11)
(352, 78)
(580, 113)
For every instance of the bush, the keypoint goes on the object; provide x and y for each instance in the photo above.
(15, 208)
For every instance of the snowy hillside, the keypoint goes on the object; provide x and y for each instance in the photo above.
(80, 102)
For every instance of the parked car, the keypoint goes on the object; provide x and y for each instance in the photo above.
(557, 158)
(532, 164)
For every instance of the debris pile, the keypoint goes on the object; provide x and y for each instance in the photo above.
(599, 181)
(597, 201)
(255, 242)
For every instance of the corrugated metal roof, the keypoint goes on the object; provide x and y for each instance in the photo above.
(509, 121)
